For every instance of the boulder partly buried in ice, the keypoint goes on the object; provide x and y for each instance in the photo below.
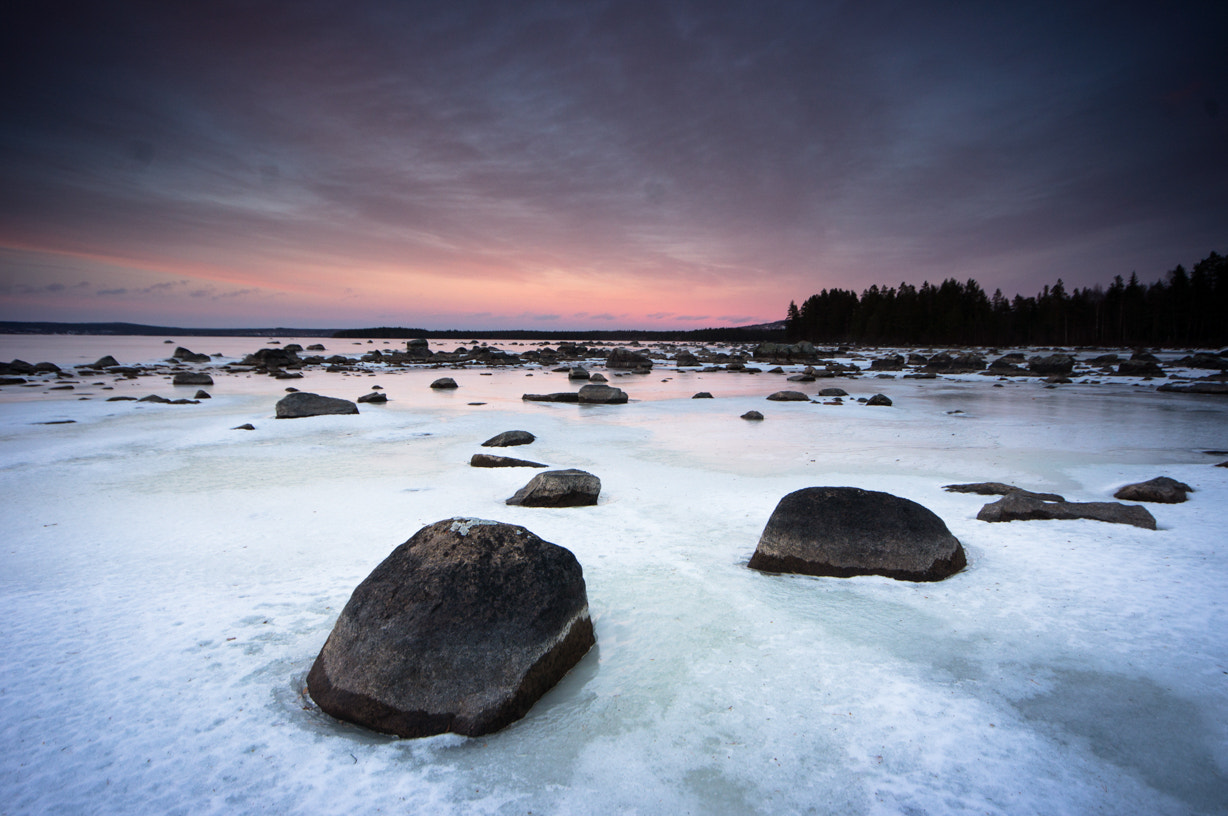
(462, 629)
(305, 404)
(509, 439)
(598, 394)
(1161, 489)
(847, 531)
(1022, 507)
(559, 488)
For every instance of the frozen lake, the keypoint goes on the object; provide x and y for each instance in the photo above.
(167, 582)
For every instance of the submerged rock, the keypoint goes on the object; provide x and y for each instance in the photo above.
(305, 404)
(558, 396)
(508, 439)
(1161, 489)
(559, 488)
(1019, 507)
(461, 629)
(847, 531)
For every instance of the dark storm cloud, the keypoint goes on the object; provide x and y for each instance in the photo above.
(861, 142)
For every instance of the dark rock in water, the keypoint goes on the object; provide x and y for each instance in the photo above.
(104, 362)
(16, 367)
(802, 378)
(789, 396)
(685, 359)
(752, 415)
(578, 373)
(1196, 387)
(626, 358)
(702, 395)
(1161, 489)
(893, 363)
(419, 348)
(444, 382)
(598, 394)
(375, 397)
(461, 629)
(847, 531)
(316, 347)
(155, 398)
(1139, 368)
(878, 399)
(597, 377)
(833, 392)
(288, 375)
(1053, 364)
(246, 426)
(305, 404)
(1018, 507)
(509, 439)
(121, 399)
(560, 396)
(559, 488)
(486, 460)
(272, 358)
(12, 380)
(192, 378)
(202, 394)
(999, 489)
(187, 356)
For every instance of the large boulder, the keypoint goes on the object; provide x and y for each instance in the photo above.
(847, 531)
(559, 488)
(1019, 506)
(508, 439)
(192, 378)
(598, 394)
(1161, 489)
(189, 356)
(1061, 364)
(626, 358)
(304, 404)
(462, 628)
(444, 383)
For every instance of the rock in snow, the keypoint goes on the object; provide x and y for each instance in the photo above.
(847, 531)
(462, 628)
(306, 404)
(508, 439)
(559, 488)
(1161, 489)
(1022, 507)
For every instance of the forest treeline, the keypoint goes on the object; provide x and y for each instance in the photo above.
(1184, 308)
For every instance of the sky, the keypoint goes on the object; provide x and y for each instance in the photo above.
(590, 165)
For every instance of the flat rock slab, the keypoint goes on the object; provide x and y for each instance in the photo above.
(192, 378)
(999, 489)
(305, 404)
(559, 488)
(461, 629)
(1161, 489)
(487, 460)
(509, 439)
(847, 531)
(1018, 507)
(559, 396)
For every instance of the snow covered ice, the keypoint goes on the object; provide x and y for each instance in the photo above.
(167, 582)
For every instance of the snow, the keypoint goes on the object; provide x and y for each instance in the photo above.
(167, 583)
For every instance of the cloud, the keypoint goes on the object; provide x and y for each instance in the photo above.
(659, 315)
(691, 318)
(113, 292)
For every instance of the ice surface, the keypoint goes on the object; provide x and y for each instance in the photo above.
(167, 583)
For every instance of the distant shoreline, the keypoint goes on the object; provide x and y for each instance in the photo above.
(763, 332)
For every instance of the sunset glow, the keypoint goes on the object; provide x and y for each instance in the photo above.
(586, 165)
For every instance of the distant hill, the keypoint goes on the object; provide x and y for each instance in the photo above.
(140, 330)
(740, 334)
